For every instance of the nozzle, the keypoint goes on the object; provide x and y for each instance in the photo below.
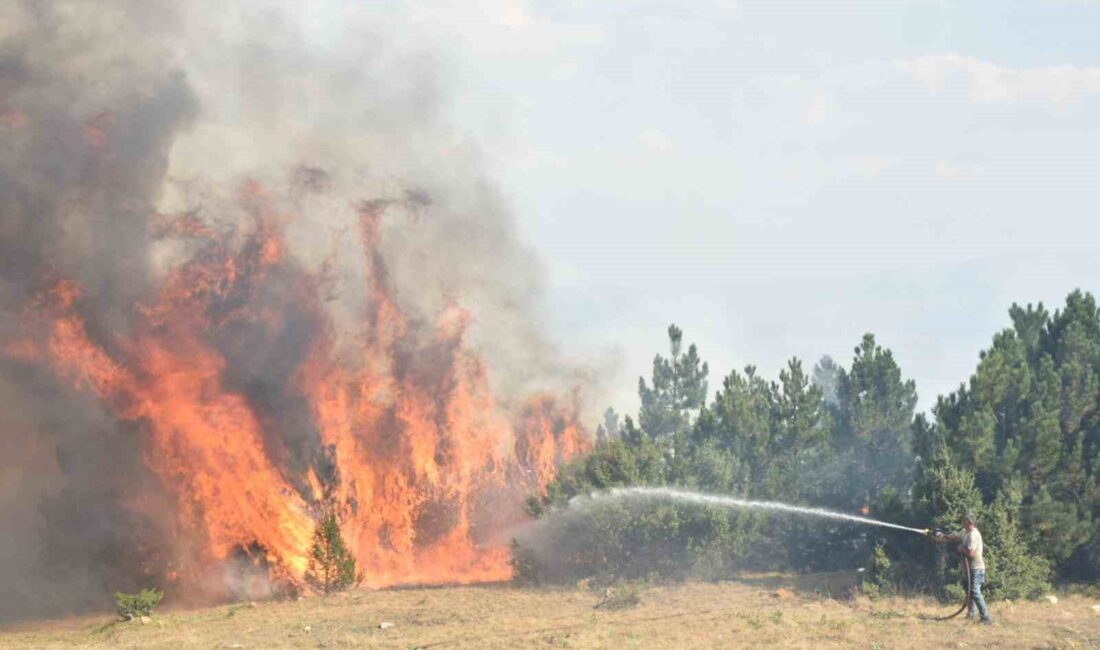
(928, 532)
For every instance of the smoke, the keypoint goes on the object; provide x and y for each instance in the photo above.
(127, 125)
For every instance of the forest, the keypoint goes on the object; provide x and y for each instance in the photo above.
(1017, 444)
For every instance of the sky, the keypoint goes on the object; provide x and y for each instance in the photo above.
(778, 177)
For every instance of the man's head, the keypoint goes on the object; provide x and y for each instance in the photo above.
(968, 521)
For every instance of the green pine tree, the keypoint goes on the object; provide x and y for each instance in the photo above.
(331, 564)
(880, 580)
(874, 417)
(941, 496)
(679, 389)
(1014, 571)
(1028, 418)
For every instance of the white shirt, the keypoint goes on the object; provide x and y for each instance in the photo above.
(972, 541)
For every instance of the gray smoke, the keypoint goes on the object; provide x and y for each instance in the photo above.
(112, 113)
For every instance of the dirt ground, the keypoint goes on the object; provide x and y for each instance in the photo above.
(748, 613)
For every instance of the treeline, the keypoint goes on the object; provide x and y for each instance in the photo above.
(1019, 445)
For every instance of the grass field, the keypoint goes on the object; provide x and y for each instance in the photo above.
(747, 613)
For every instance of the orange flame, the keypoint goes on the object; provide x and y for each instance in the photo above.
(425, 464)
(13, 119)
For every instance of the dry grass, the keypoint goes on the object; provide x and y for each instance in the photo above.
(741, 614)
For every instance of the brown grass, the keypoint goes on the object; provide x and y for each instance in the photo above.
(734, 614)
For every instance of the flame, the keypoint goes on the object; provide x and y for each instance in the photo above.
(13, 119)
(425, 464)
(96, 130)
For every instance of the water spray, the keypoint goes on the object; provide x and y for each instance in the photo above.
(699, 498)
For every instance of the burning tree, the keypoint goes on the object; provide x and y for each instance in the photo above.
(331, 564)
(230, 352)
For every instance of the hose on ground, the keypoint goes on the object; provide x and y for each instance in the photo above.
(966, 601)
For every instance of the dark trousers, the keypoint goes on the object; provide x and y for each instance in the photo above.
(977, 600)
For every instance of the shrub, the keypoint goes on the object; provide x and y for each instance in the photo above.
(131, 606)
(954, 592)
(630, 540)
(622, 595)
(331, 564)
(1014, 571)
(880, 580)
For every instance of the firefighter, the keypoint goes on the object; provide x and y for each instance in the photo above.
(971, 547)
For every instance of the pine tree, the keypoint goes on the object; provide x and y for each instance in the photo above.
(1015, 572)
(331, 565)
(880, 580)
(611, 423)
(1028, 418)
(826, 374)
(1018, 445)
(874, 420)
(679, 389)
(941, 496)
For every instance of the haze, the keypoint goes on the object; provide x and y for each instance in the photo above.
(780, 177)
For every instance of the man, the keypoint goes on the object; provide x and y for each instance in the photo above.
(970, 546)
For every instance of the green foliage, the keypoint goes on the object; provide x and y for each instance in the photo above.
(632, 540)
(767, 428)
(131, 606)
(634, 460)
(679, 388)
(943, 493)
(1028, 417)
(873, 416)
(1018, 445)
(880, 580)
(331, 564)
(1014, 570)
(608, 430)
(956, 592)
(826, 376)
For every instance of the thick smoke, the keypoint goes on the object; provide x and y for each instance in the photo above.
(114, 116)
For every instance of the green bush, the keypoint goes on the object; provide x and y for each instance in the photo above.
(629, 538)
(880, 580)
(1018, 446)
(131, 606)
(331, 564)
(1014, 570)
(954, 592)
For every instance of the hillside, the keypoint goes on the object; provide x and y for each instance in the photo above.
(749, 613)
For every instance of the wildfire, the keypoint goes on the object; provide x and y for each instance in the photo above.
(403, 436)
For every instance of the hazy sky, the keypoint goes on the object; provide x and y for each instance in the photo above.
(780, 177)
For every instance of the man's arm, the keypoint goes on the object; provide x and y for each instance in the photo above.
(966, 547)
(952, 537)
(963, 550)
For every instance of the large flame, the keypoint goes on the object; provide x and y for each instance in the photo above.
(426, 466)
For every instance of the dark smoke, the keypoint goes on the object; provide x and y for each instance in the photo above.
(113, 113)
(69, 209)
